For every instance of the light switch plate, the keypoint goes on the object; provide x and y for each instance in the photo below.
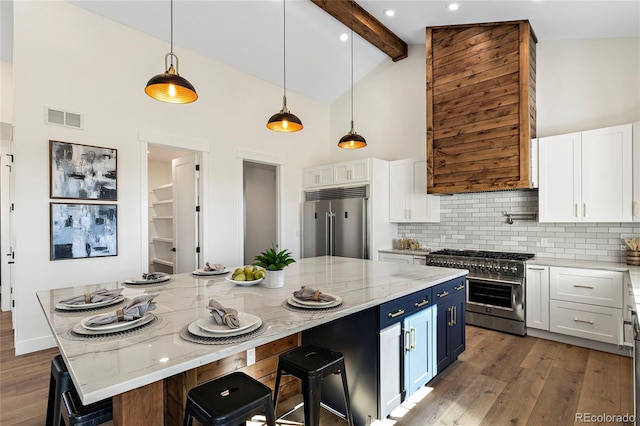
(251, 356)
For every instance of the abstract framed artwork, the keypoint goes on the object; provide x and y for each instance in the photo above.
(82, 172)
(83, 230)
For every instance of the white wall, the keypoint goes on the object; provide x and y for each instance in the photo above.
(90, 65)
(580, 85)
(6, 92)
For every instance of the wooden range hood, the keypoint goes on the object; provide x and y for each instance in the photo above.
(481, 113)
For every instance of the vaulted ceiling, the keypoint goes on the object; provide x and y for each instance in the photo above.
(248, 35)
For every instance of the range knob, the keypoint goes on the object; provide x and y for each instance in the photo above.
(513, 270)
(505, 268)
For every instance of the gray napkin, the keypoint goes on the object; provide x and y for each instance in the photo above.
(95, 297)
(153, 276)
(308, 293)
(222, 315)
(215, 267)
(135, 309)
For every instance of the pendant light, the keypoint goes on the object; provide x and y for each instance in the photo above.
(284, 120)
(169, 86)
(352, 140)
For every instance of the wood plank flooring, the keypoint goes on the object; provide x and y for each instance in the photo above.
(499, 380)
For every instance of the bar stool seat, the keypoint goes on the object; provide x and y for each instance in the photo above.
(311, 364)
(228, 401)
(74, 413)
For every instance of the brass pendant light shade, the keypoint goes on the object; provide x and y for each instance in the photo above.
(284, 120)
(169, 86)
(352, 140)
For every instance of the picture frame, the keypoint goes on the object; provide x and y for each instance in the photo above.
(81, 230)
(82, 172)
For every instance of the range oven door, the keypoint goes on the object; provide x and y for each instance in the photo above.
(496, 297)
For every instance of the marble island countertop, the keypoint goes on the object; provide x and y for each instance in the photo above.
(102, 368)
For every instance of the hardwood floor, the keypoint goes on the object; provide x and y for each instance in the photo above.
(499, 380)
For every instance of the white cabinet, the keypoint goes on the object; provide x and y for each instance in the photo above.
(337, 174)
(636, 172)
(390, 388)
(408, 198)
(318, 176)
(587, 176)
(586, 303)
(351, 172)
(537, 297)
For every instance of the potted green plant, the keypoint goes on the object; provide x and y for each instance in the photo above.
(274, 263)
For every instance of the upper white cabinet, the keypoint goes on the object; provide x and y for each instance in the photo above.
(351, 172)
(587, 176)
(337, 174)
(636, 172)
(318, 176)
(408, 198)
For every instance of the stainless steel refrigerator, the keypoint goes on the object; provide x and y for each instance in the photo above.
(335, 227)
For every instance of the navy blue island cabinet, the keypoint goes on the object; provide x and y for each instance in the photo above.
(393, 348)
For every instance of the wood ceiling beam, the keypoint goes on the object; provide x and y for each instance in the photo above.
(366, 26)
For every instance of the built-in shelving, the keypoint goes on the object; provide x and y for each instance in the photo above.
(161, 229)
(162, 240)
(162, 262)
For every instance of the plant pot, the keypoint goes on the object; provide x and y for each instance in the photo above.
(274, 279)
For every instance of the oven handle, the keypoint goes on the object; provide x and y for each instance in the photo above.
(493, 280)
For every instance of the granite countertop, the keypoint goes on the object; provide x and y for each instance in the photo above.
(107, 367)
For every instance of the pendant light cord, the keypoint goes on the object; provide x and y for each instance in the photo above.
(284, 45)
(171, 37)
(351, 64)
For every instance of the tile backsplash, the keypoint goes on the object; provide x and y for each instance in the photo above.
(476, 221)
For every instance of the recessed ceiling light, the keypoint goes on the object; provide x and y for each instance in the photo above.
(453, 6)
(389, 12)
(344, 37)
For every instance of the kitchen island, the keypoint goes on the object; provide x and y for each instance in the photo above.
(132, 368)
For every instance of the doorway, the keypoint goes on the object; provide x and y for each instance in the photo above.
(174, 210)
(260, 194)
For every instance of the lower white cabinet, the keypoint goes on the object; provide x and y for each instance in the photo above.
(390, 366)
(403, 259)
(537, 297)
(587, 321)
(590, 286)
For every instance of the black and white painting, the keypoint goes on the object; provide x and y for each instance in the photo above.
(83, 230)
(82, 171)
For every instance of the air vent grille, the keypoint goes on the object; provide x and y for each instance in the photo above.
(63, 118)
(336, 193)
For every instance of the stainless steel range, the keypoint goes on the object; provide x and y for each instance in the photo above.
(495, 286)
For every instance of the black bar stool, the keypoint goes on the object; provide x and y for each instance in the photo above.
(229, 401)
(311, 364)
(58, 384)
(76, 414)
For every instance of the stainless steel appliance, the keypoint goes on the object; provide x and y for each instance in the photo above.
(335, 223)
(495, 286)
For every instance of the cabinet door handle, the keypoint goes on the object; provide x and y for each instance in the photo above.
(585, 321)
(409, 213)
(396, 313)
(407, 341)
(413, 338)
(634, 208)
(575, 210)
(454, 315)
(421, 304)
(458, 288)
(583, 286)
(443, 294)
(584, 210)
(535, 269)
(450, 310)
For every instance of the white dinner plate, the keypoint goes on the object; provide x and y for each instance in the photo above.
(244, 283)
(114, 326)
(194, 329)
(78, 306)
(246, 320)
(320, 304)
(295, 303)
(214, 272)
(128, 325)
(140, 280)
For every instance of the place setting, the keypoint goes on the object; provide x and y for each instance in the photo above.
(211, 270)
(96, 300)
(223, 325)
(135, 316)
(310, 299)
(157, 278)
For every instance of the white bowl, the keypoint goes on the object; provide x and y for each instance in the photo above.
(244, 283)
